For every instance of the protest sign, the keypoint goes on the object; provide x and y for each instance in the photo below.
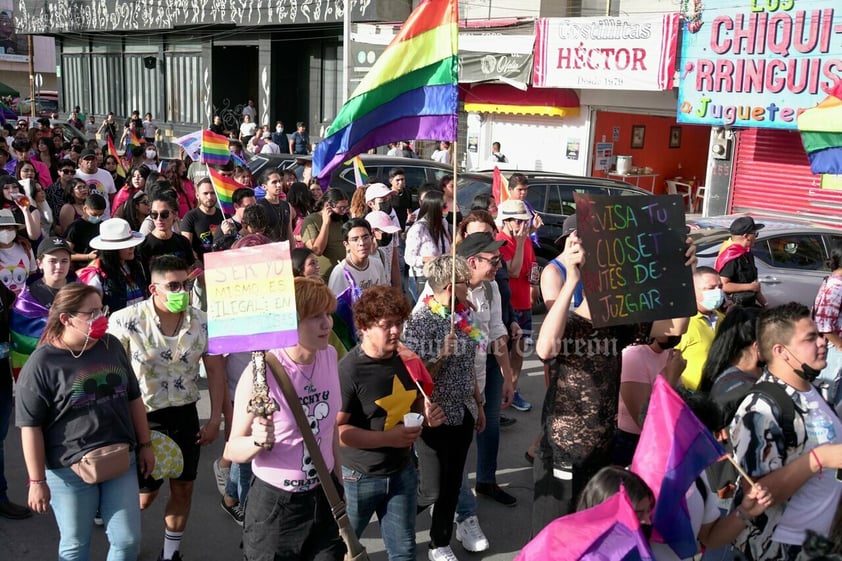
(251, 299)
(634, 258)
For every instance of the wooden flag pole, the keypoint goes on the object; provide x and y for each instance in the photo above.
(740, 470)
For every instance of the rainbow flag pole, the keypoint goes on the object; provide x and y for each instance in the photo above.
(360, 175)
(224, 187)
(410, 92)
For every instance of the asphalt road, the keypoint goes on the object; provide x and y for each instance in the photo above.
(213, 536)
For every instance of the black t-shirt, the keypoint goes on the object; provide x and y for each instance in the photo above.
(376, 394)
(153, 247)
(80, 404)
(741, 270)
(203, 227)
(401, 204)
(278, 215)
(7, 298)
(80, 233)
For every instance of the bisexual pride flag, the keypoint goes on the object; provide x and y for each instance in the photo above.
(821, 133)
(674, 448)
(410, 92)
(610, 531)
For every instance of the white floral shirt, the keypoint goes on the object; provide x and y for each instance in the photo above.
(166, 367)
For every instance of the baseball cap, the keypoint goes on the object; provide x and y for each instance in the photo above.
(744, 225)
(567, 228)
(51, 245)
(87, 153)
(478, 243)
(376, 191)
(379, 220)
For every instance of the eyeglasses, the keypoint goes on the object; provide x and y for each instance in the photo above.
(164, 214)
(68, 171)
(93, 314)
(145, 202)
(494, 261)
(80, 187)
(176, 286)
(387, 325)
(364, 239)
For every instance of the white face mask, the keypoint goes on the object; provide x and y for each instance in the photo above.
(7, 236)
(279, 129)
(150, 154)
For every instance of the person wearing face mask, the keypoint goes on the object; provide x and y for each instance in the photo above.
(797, 461)
(16, 259)
(640, 366)
(150, 158)
(321, 231)
(76, 393)
(166, 338)
(379, 197)
(383, 244)
(83, 230)
(695, 343)
(280, 138)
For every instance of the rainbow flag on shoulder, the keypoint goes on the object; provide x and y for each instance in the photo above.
(214, 149)
(410, 92)
(224, 186)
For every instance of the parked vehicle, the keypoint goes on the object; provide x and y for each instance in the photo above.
(791, 256)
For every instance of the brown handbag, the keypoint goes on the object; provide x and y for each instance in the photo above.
(356, 551)
(104, 463)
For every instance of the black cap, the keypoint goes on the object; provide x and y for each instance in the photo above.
(744, 225)
(87, 153)
(478, 243)
(51, 245)
(567, 228)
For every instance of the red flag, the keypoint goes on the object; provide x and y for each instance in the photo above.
(417, 370)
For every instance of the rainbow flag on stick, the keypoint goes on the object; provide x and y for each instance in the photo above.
(224, 187)
(360, 175)
(214, 149)
(410, 92)
(112, 151)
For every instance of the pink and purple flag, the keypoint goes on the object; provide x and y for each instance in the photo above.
(674, 448)
(610, 531)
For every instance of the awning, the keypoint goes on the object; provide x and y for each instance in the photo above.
(8, 91)
(499, 98)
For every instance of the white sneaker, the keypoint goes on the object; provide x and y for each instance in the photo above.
(220, 473)
(441, 554)
(471, 535)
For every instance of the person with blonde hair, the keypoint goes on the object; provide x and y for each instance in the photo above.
(285, 480)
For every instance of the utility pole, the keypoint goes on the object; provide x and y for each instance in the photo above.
(31, 76)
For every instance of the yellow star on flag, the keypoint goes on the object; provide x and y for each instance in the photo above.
(397, 404)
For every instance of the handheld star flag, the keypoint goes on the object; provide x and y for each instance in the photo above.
(112, 151)
(214, 149)
(674, 448)
(410, 92)
(610, 531)
(821, 133)
(224, 187)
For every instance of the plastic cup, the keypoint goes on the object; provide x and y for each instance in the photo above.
(413, 420)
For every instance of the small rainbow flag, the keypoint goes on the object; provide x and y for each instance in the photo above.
(112, 151)
(224, 187)
(238, 160)
(360, 175)
(499, 187)
(214, 149)
(135, 139)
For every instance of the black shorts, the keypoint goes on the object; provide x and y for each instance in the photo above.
(182, 425)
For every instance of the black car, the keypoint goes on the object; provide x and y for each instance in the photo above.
(550, 194)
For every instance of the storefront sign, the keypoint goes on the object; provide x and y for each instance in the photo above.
(627, 53)
(760, 63)
(635, 248)
(251, 299)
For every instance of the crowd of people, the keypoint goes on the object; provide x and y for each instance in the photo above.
(106, 335)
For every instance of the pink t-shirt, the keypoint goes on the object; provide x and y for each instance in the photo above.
(640, 364)
(288, 466)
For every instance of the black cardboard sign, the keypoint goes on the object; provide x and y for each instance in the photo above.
(634, 258)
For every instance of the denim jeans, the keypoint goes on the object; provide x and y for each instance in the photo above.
(5, 419)
(488, 441)
(393, 498)
(75, 503)
(239, 479)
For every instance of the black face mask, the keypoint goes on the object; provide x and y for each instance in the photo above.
(671, 342)
(385, 239)
(339, 217)
(647, 531)
(385, 206)
(806, 371)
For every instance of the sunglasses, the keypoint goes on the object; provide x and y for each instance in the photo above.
(176, 286)
(68, 171)
(494, 261)
(164, 214)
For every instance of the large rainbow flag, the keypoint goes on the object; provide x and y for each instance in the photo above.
(410, 92)
(214, 149)
(821, 133)
(224, 187)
